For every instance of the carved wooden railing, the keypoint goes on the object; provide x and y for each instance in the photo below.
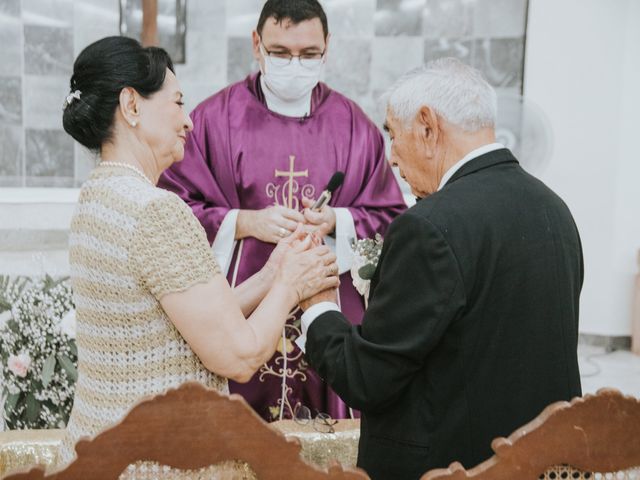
(190, 428)
(594, 433)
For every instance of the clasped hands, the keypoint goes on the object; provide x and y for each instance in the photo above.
(272, 224)
(307, 266)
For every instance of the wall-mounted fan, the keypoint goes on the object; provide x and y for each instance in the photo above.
(525, 129)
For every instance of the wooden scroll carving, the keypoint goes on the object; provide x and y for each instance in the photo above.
(594, 433)
(190, 428)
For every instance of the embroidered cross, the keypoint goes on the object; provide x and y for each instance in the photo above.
(291, 174)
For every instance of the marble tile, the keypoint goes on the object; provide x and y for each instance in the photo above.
(85, 161)
(371, 108)
(49, 158)
(206, 43)
(48, 13)
(196, 92)
(171, 25)
(207, 16)
(10, 8)
(350, 18)
(378, 109)
(11, 153)
(206, 58)
(93, 20)
(11, 37)
(240, 61)
(399, 17)
(500, 60)
(348, 66)
(242, 17)
(83, 37)
(451, 19)
(392, 57)
(460, 49)
(500, 18)
(43, 99)
(48, 50)
(11, 101)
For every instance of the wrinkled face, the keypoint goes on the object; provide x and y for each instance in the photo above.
(164, 123)
(305, 39)
(410, 152)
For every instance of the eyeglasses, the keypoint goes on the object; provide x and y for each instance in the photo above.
(322, 422)
(282, 59)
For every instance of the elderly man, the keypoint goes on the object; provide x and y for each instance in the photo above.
(472, 324)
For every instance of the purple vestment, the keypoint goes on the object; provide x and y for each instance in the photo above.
(239, 156)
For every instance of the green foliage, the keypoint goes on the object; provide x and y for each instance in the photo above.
(38, 353)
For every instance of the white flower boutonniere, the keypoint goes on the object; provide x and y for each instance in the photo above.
(366, 253)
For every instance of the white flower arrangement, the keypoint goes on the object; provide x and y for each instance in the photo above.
(366, 253)
(38, 353)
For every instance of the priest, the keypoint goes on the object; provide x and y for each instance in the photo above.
(261, 151)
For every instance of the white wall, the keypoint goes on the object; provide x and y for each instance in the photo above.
(583, 68)
(34, 224)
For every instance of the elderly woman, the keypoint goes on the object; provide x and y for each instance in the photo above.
(153, 309)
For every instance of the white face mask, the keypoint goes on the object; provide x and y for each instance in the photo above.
(293, 81)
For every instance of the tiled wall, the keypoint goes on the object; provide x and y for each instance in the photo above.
(373, 42)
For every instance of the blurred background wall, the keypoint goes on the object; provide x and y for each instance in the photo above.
(577, 60)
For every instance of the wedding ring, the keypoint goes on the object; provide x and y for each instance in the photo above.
(283, 232)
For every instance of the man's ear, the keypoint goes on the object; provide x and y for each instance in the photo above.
(429, 125)
(326, 47)
(255, 41)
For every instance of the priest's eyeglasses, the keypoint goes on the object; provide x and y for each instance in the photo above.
(282, 59)
(322, 422)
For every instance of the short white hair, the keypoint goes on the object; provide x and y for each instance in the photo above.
(456, 91)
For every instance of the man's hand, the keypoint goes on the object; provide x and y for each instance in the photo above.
(323, 221)
(330, 295)
(269, 224)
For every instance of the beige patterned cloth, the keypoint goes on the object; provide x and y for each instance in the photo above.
(130, 244)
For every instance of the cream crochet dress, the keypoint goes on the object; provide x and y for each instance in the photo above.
(130, 244)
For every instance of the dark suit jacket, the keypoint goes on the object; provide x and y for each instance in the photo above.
(472, 324)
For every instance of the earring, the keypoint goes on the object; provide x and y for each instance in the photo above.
(134, 124)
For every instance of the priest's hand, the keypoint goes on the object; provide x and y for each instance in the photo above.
(323, 221)
(270, 224)
(329, 295)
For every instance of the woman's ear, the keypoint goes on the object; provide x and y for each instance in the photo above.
(129, 105)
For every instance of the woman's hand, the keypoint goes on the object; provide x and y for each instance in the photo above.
(277, 255)
(308, 268)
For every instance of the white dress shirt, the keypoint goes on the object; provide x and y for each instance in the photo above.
(319, 308)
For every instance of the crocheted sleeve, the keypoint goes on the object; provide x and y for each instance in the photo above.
(170, 251)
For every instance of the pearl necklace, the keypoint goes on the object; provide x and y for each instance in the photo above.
(133, 168)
